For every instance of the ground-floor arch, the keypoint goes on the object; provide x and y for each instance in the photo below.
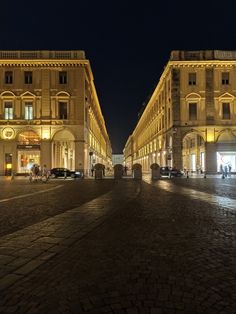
(63, 149)
(226, 150)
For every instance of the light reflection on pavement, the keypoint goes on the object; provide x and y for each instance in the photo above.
(225, 202)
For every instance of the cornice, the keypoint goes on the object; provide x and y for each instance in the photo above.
(44, 63)
(203, 64)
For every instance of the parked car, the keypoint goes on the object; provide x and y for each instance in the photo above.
(170, 171)
(61, 172)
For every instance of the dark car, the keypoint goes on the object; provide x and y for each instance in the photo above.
(64, 172)
(60, 172)
(169, 171)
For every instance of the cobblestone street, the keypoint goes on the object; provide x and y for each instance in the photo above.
(143, 247)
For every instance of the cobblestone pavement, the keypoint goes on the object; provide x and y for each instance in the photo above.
(23, 203)
(141, 248)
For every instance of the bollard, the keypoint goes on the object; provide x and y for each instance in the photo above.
(205, 176)
(187, 175)
(12, 176)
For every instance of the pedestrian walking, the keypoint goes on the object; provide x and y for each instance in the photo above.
(92, 170)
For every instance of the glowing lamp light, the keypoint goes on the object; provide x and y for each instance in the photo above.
(46, 134)
(210, 136)
(9, 166)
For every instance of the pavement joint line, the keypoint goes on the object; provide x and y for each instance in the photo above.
(35, 259)
(29, 194)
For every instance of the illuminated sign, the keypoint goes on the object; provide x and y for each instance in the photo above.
(33, 146)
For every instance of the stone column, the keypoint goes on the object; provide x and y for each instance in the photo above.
(177, 149)
(79, 155)
(210, 156)
(46, 153)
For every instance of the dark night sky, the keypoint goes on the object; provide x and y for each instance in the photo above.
(128, 43)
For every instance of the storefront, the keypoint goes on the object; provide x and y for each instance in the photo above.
(28, 151)
(226, 160)
(27, 155)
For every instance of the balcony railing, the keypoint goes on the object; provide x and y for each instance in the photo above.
(42, 54)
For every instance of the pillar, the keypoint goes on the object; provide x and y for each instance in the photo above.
(210, 156)
(79, 155)
(46, 153)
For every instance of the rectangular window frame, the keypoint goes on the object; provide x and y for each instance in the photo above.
(8, 110)
(226, 114)
(63, 110)
(8, 77)
(225, 78)
(29, 111)
(192, 78)
(28, 77)
(63, 77)
(192, 111)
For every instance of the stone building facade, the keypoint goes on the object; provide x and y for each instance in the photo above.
(190, 120)
(49, 112)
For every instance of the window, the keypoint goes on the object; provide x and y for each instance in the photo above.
(8, 111)
(62, 110)
(225, 78)
(192, 79)
(62, 77)
(192, 111)
(28, 111)
(28, 77)
(226, 111)
(8, 77)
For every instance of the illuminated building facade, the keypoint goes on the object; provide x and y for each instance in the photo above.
(49, 112)
(190, 120)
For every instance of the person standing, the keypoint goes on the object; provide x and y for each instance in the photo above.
(229, 168)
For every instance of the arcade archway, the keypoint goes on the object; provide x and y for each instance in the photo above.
(63, 150)
(193, 152)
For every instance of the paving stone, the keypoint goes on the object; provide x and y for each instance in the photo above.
(154, 253)
(8, 280)
(29, 267)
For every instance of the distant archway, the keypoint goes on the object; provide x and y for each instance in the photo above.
(193, 152)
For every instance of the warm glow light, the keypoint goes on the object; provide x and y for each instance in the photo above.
(9, 166)
(210, 136)
(46, 134)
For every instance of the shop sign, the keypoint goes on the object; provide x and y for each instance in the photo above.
(33, 146)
